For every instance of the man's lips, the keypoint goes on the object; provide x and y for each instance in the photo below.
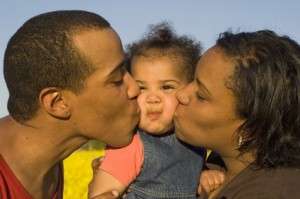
(138, 111)
(175, 114)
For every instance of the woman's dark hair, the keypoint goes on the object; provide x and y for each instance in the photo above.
(161, 40)
(266, 84)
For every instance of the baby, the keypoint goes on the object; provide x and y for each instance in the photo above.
(156, 164)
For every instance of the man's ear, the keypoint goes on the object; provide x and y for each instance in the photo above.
(54, 103)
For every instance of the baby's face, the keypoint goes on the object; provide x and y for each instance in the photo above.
(158, 79)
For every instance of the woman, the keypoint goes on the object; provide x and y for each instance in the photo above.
(244, 104)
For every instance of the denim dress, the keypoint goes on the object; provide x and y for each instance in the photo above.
(171, 169)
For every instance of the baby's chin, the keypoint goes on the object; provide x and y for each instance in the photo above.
(156, 130)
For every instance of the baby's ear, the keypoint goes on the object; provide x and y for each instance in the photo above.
(53, 102)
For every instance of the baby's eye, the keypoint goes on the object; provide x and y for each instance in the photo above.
(142, 88)
(167, 87)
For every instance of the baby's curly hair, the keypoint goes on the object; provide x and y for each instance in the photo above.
(162, 40)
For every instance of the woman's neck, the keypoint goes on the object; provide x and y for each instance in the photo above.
(234, 166)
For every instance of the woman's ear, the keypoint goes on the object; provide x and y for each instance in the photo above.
(54, 103)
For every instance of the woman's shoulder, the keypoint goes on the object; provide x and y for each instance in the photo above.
(278, 182)
(264, 183)
(278, 178)
(281, 174)
(290, 179)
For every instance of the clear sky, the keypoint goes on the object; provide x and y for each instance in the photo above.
(201, 19)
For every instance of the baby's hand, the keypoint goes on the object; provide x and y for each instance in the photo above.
(210, 180)
(108, 195)
(95, 167)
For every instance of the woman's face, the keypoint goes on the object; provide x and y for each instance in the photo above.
(206, 115)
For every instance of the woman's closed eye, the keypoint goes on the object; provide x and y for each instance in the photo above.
(199, 97)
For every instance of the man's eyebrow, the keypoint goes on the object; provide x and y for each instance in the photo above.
(201, 85)
(117, 67)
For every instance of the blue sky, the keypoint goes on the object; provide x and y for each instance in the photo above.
(201, 19)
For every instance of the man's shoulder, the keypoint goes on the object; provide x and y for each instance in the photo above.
(10, 187)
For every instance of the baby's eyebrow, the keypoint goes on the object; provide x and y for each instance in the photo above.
(169, 80)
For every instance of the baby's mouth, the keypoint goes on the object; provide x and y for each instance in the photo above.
(154, 115)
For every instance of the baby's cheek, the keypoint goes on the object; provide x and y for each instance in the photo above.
(170, 105)
(141, 99)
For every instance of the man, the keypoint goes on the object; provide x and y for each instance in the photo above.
(67, 84)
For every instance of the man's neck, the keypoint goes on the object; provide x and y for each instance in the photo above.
(33, 153)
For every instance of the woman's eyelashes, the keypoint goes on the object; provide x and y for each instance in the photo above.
(199, 96)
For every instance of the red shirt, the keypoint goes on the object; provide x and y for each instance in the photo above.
(11, 188)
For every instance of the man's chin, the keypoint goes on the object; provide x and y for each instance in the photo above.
(122, 142)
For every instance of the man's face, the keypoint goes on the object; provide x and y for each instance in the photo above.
(107, 109)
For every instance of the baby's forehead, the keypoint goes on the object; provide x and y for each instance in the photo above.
(157, 56)
(162, 67)
(176, 62)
